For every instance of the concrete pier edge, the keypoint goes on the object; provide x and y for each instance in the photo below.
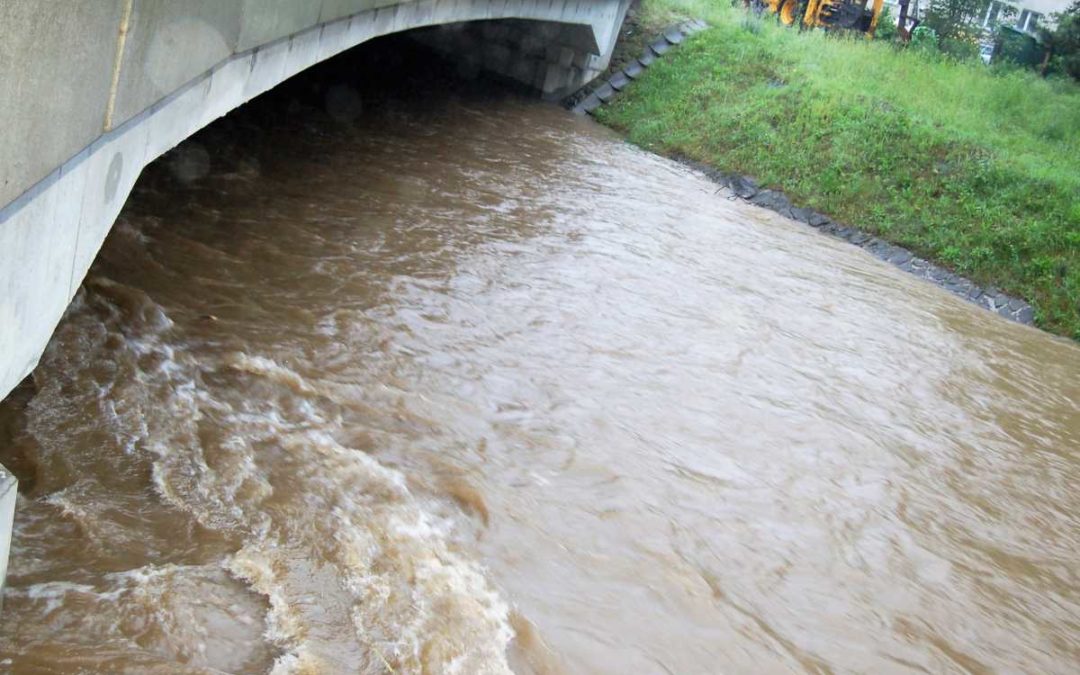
(9, 493)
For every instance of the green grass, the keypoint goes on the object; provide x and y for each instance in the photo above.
(975, 168)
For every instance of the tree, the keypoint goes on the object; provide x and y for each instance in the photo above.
(924, 38)
(1063, 42)
(886, 26)
(956, 19)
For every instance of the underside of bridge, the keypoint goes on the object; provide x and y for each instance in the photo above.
(94, 90)
(553, 58)
(87, 119)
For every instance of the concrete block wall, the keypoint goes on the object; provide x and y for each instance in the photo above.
(553, 58)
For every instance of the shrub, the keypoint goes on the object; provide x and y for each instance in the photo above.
(1064, 41)
(924, 38)
(1017, 47)
(955, 18)
(886, 26)
(962, 49)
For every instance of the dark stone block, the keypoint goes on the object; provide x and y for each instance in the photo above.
(718, 177)
(900, 256)
(660, 47)
(1026, 315)
(674, 36)
(817, 219)
(634, 69)
(619, 81)
(743, 186)
(771, 199)
(648, 57)
(605, 93)
(800, 214)
(1016, 304)
(859, 238)
(591, 103)
(959, 287)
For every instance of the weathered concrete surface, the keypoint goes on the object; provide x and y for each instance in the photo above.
(268, 20)
(56, 60)
(552, 58)
(93, 90)
(8, 495)
(166, 44)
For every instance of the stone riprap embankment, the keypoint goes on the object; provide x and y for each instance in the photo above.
(746, 188)
(604, 90)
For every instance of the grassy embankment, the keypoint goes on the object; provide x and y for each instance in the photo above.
(973, 168)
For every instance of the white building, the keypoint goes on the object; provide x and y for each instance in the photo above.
(1024, 15)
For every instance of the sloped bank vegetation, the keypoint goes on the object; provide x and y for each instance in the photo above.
(977, 169)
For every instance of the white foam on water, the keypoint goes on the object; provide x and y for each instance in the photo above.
(194, 615)
(411, 601)
(259, 365)
(358, 574)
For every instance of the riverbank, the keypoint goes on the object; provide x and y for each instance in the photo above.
(972, 169)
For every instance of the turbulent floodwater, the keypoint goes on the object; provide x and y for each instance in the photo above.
(460, 383)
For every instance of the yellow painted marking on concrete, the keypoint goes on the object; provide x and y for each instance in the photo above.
(121, 40)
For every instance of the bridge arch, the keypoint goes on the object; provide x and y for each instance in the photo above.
(175, 68)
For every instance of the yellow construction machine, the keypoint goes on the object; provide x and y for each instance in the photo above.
(845, 14)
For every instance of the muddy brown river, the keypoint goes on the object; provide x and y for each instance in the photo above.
(456, 382)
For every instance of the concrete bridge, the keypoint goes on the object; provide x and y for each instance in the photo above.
(93, 90)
